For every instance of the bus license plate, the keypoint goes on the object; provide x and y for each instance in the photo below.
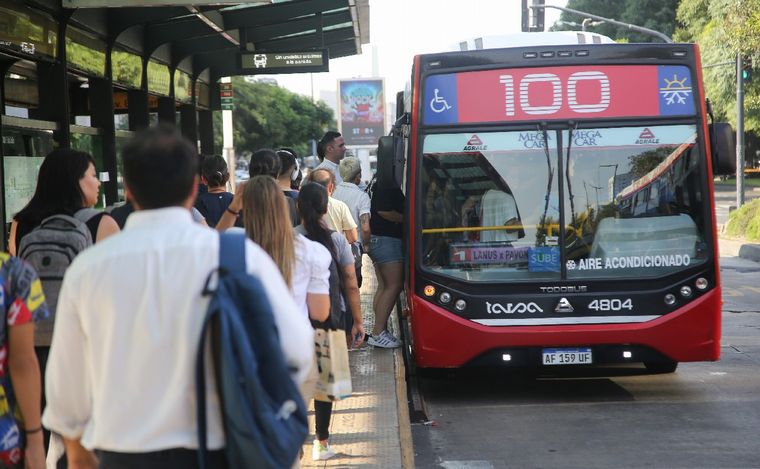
(567, 356)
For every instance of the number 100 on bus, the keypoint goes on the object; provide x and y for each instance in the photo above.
(544, 81)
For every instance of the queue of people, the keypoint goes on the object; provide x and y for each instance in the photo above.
(114, 374)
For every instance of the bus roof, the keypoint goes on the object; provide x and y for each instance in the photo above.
(552, 38)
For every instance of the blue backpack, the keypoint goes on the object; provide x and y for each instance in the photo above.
(263, 414)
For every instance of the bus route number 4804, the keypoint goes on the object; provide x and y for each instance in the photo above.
(562, 356)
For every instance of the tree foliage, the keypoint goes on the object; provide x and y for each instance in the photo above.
(723, 28)
(267, 116)
(643, 163)
(659, 15)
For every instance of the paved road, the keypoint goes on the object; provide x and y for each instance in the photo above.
(706, 415)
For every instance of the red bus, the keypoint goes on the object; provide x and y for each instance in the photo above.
(560, 206)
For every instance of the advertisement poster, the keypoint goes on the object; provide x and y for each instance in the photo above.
(20, 182)
(362, 111)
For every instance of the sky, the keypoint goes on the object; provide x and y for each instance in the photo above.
(401, 29)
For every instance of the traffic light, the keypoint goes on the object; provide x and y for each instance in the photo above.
(532, 18)
(747, 69)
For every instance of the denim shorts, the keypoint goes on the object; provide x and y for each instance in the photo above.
(385, 249)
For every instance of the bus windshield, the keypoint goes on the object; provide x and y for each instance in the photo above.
(622, 202)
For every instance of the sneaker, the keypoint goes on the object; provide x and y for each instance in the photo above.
(321, 451)
(384, 340)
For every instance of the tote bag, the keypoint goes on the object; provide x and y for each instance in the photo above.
(334, 381)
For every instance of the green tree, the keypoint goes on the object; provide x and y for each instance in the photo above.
(659, 15)
(723, 28)
(267, 116)
(645, 162)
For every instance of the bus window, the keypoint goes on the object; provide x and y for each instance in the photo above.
(633, 201)
(490, 212)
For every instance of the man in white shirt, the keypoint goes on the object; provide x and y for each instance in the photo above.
(120, 380)
(330, 150)
(338, 215)
(359, 205)
(356, 199)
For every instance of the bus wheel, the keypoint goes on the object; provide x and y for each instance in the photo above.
(661, 366)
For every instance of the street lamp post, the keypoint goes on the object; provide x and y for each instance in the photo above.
(614, 177)
(739, 133)
(634, 27)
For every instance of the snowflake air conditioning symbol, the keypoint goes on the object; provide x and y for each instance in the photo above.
(675, 90)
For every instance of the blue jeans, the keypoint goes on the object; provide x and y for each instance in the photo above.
(385, 249)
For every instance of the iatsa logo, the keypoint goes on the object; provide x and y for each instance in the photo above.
(647, 137)
(475, 144)
(512, 308)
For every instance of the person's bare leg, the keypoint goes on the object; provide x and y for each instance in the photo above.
(392, 281)
(378, 290)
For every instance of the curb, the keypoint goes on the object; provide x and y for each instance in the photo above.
(404, 422)
(737, 247)
(750, 252)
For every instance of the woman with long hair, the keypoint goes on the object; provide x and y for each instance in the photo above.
(67, 183)
(312, 206)
(304, 264)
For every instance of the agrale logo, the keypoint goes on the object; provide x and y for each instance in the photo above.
(647, 137)
(475, 144)
(511, 308)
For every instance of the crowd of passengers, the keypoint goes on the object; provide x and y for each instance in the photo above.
(109, 350)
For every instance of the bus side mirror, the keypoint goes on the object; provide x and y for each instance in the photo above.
(386, 156)
(723, 148)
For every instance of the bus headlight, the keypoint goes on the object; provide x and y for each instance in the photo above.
(445, 297)
(701, 283)
(686, 291)
(460, 305)
(670, 299)
(429, 290)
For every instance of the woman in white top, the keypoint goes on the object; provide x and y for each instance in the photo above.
(304, 264)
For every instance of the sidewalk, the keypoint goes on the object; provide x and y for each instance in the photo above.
(739, 248)
(371, 428)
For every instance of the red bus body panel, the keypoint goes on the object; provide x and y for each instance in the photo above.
(444, 340)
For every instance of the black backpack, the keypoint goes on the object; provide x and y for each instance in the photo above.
(50, 248)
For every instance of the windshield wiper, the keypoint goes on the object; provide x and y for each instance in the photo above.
(542, 128)
(572, 129)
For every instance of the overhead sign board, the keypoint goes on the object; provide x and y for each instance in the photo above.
(285, 61)
(153, 3)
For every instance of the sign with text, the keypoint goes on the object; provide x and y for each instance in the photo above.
(285, 62)
(226, 97)
(362, 110)
(487, 254)
(567, 92)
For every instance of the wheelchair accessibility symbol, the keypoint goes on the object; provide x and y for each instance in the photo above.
(438, 104)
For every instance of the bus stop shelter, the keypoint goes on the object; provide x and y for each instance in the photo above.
(87, 74)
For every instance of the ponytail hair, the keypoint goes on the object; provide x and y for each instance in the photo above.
(214, 171)
(312, 206)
